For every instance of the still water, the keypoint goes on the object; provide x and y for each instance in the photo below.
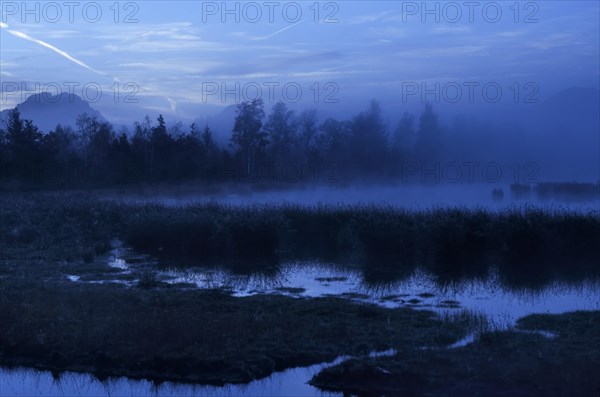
(499, 300)
(29, 383)
(501, 303)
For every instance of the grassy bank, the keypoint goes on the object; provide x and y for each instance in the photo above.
(525, 244)
(196, 336)
(516, 362)
(444, 237)
(170, 333)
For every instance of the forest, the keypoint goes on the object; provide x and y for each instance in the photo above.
(283, 146)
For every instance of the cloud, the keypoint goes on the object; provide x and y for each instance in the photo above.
(173, 104)
(389, 32)
(512, 33)
(451, 29)
(146, 38)
(453, 51)
(381, 16)
(179, 65)
(159, 46)
(553, 41)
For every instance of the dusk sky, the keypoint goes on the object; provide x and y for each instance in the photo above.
(175, 57)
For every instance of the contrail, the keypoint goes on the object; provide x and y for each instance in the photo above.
(49, 46)
(279, 31)
(64, 54)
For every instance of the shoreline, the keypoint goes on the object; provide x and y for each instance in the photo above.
(198, 336)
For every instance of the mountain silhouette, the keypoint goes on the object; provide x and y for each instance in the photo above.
(221, 124)
(47, 110)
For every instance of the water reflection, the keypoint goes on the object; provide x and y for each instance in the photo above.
(29, 382)
(488, 295)
(502, 295)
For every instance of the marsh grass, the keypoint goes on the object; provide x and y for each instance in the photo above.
(147, 280)
(386, 241)
(525, 244)
(497, 363)
(196, 336)
(168, 333)
(66, 227)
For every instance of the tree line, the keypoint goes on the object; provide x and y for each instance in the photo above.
(281, 146)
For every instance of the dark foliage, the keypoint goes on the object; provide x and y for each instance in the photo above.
(280, 146)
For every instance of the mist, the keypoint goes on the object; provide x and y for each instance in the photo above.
(341, 198)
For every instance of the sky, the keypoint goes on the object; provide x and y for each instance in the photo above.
(186, 59)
